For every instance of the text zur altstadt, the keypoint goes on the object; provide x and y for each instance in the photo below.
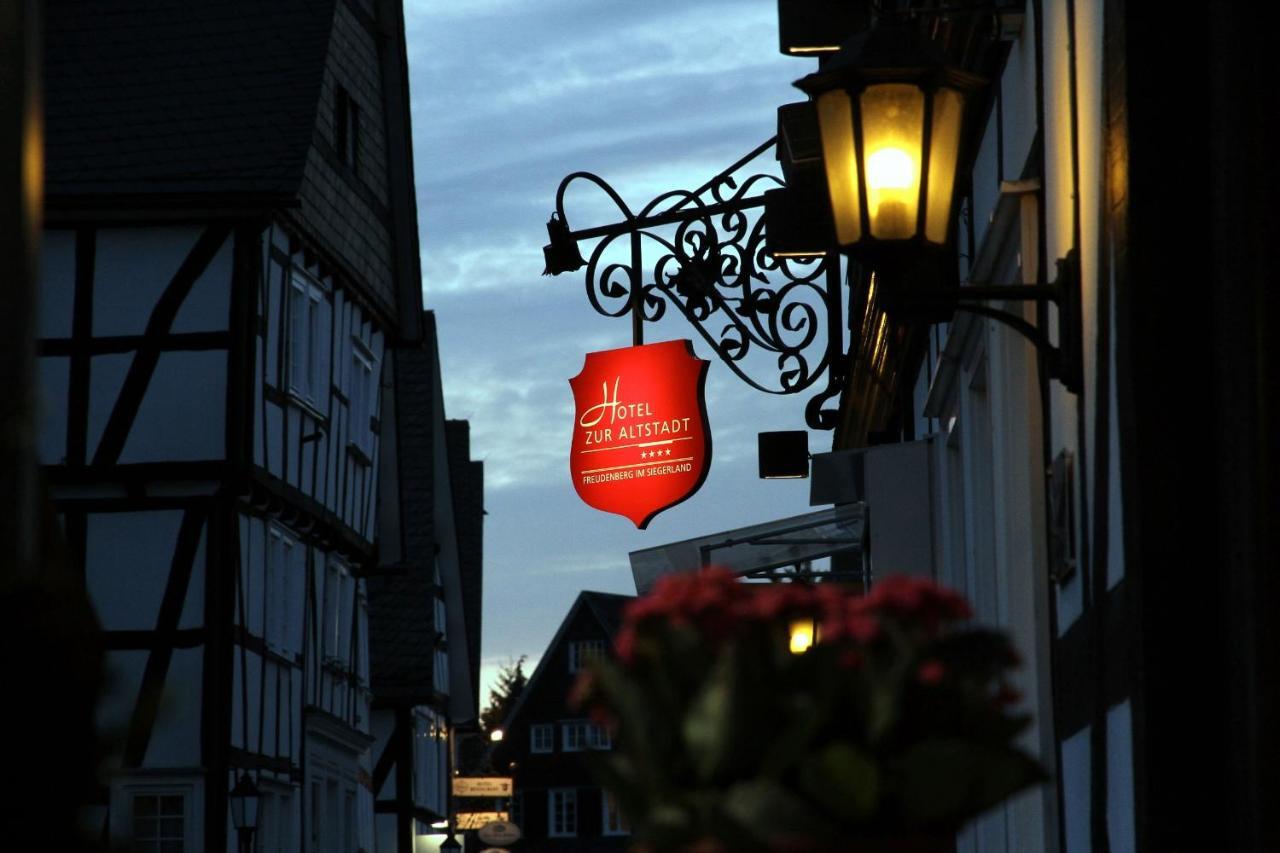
(612, 420)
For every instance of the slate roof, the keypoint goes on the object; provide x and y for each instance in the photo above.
(467, 481)
(607, 609)
(182, 97)
(402, 636)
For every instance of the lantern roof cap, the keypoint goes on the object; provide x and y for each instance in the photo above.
(887, 52)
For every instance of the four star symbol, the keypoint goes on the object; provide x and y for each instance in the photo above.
(650, 454)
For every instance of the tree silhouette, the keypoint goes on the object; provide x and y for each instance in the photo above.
(503, 695)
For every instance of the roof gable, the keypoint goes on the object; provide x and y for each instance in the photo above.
(167, 97)
(605, 608)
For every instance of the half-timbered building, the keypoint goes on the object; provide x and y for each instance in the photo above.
(230, 284)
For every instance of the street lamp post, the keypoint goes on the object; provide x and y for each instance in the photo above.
(244, 798)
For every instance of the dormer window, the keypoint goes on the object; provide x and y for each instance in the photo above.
(346, 129)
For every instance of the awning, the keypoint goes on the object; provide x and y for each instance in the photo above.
(758, 548)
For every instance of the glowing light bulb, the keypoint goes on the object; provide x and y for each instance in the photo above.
(802, 636)
(892, 183)
(890, 169)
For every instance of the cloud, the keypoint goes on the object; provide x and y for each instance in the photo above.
(508, 97)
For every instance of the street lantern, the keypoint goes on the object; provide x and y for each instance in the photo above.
(890, 114)
(243, 799)
(450, 845)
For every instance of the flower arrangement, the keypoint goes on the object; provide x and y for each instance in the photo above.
(890, 730)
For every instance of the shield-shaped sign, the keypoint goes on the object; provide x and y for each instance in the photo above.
(641, 442)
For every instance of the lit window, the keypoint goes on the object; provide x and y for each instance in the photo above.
(159, 823)
(562, 813)
(541, 738)
(305, 344)
(611, 820)
(582, 651)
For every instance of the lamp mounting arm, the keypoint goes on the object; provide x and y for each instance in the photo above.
(1064, 358)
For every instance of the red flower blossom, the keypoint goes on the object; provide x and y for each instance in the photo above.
(931, 672)
(918, 600)
(849, 659)
(582, 688)
(624, 644)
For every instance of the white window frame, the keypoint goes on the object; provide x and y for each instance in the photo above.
(335, 624)
(542, 738)
(583, 735)
(305, 350)
(278, 628)
(125, 788)
(564, 801)
(582, 651)
(612, 821)
(275, 816)
(363, 393)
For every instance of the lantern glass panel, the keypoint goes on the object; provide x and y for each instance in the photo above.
(944, 148)
(892, 131)
(835, 120)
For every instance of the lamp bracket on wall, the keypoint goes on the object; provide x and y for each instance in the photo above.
(704, 253)
(1063, 358)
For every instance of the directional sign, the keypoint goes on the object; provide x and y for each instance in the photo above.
(499, 832)
(475, 820)
(482, 786)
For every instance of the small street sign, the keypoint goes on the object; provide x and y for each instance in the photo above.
(476, 820)
(482, 786)
(499, 832)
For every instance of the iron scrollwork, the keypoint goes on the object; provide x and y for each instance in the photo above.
(703, 252)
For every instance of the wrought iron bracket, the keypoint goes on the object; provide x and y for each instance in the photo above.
(1063, 358)
(702, 253)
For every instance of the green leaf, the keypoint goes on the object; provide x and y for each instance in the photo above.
(844, 780)
(772, 813)
(947, 781)
(707, 726)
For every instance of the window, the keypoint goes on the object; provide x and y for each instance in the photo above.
(305, 343)
(430, 786)
(578, 735)
(339, 592)
(159, 823)
(611, 820)
(541, 738)
(362, 397)
(582, 651)
(346, 130)
(275, 819)
(562, 813)
(333, 817)
(281, 585)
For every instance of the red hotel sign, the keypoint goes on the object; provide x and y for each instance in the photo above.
(640, 439)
